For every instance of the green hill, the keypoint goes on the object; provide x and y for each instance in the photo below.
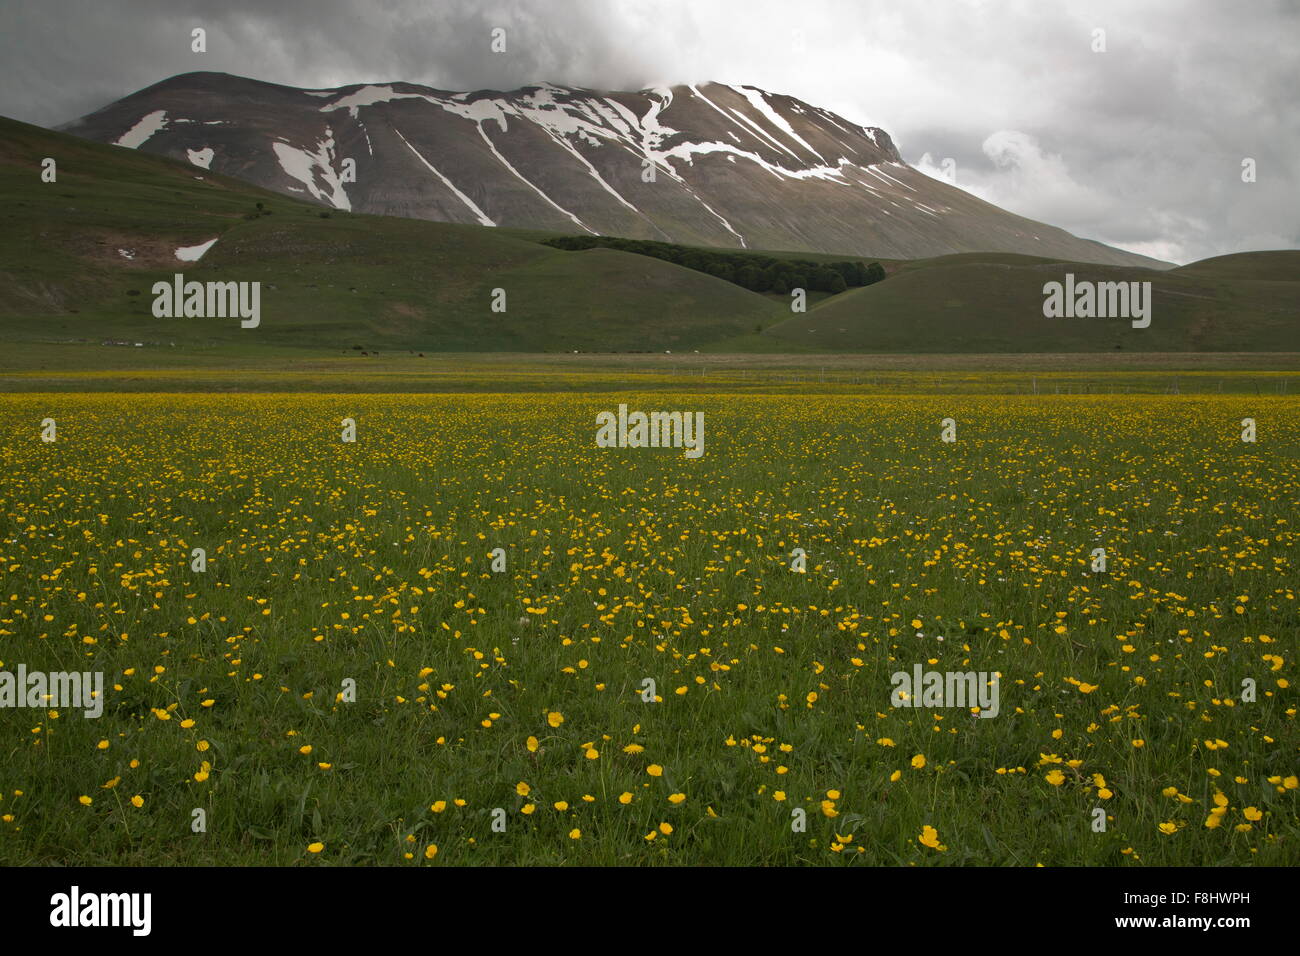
(994, 303)
(1281, 265)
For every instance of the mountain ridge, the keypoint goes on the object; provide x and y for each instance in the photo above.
(710, 164)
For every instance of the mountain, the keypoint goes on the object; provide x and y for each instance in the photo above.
(713, 165)
(80, 256)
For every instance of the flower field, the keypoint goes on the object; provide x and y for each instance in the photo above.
(350, 681)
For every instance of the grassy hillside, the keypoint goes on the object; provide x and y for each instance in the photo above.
(1279, 265)
(993, 303)
(331, 282)
(79, 257)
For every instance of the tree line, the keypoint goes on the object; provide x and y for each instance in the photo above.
(758, 273)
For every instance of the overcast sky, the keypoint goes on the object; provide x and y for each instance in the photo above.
(1140, 146)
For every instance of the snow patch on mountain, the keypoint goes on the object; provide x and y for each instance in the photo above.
(481, 216)
(757, 100)
(195, 253)
(201, 157)
(687, 152)
(481, 111)
(653, 133)
(892, 179)
(763, 133)
(717, 215)
(533, 186)
(725, 114)
(148, 124)
(367, 96)
(305, 166)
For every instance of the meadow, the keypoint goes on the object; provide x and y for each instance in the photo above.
(350, 682)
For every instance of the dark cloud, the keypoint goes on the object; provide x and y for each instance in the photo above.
(1139, 146)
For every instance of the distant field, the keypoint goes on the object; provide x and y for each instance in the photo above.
(516, 696)
(26, 367)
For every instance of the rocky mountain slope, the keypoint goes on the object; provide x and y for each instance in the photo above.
(711, 165)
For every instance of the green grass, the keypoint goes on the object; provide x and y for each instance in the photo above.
(40, 367)
(978, 303)
(370, 561)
